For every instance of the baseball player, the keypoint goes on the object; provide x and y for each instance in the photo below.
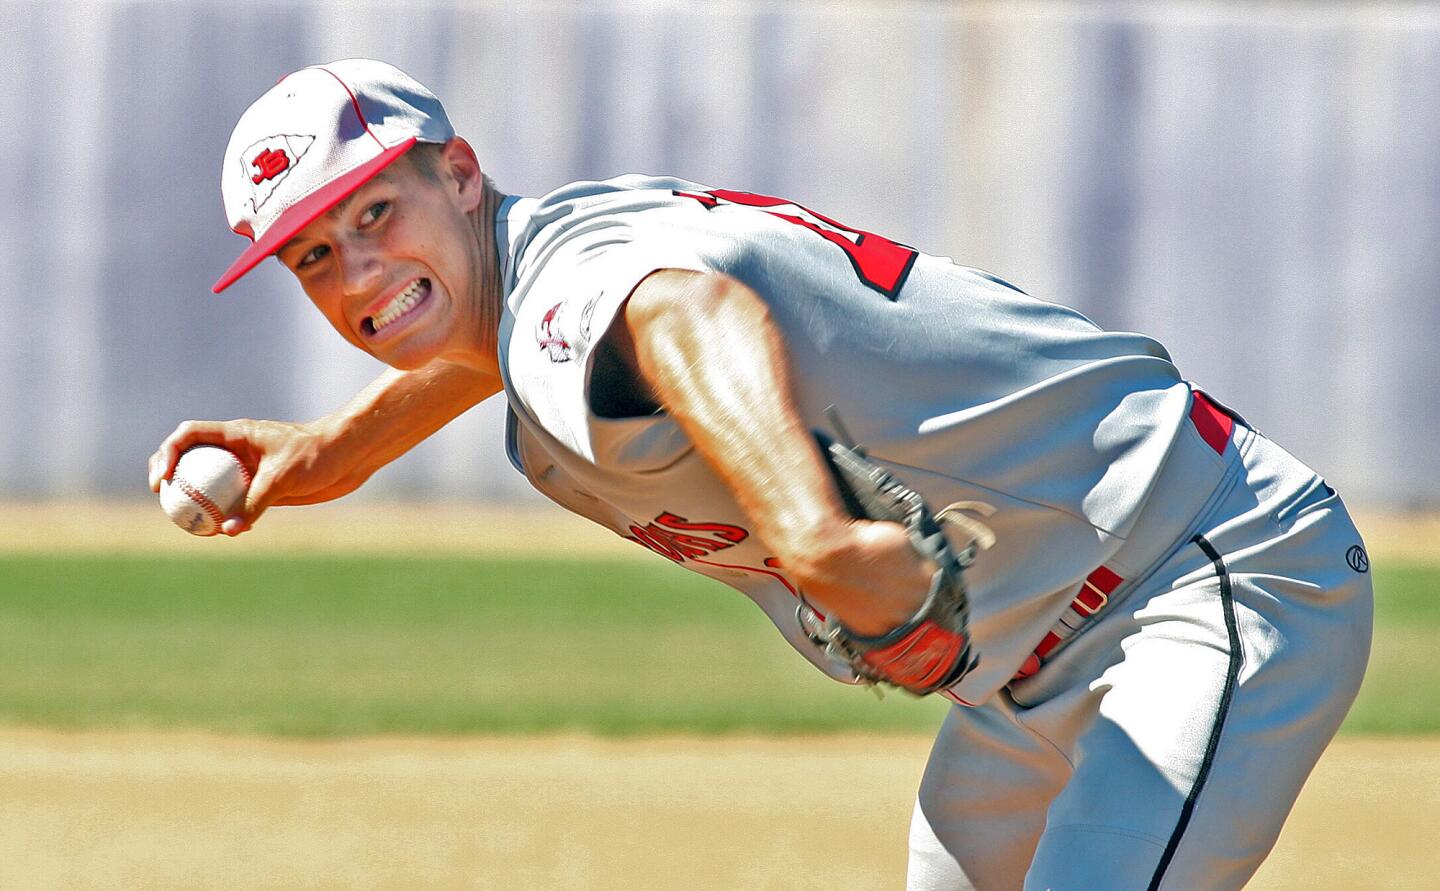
(1151, 619)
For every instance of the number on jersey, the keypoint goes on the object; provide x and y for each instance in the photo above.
(879, 263)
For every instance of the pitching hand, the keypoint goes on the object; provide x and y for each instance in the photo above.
(292, 463)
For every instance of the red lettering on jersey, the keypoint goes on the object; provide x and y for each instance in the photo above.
(880, 264)
(701, 546)
(733, 534)
(641, 536)
(271, 163)
(688, 545)
(663, 536)
(675, 538)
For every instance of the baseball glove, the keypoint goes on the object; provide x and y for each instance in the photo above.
(932, 650)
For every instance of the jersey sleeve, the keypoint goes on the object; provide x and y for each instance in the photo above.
(568, 306)
(622, 267)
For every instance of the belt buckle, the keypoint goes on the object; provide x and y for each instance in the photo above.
(1088, 607)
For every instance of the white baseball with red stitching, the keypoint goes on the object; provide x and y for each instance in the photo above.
(208, 485)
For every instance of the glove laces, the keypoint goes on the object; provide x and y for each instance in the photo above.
(981, 537)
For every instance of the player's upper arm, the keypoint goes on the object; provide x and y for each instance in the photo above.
(680, 309)
(669, 291)
(671, 312)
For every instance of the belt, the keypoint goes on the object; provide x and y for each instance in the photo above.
(1215, 427)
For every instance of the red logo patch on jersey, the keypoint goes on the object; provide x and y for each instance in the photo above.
(556, 346)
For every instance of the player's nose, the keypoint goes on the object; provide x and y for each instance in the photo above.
(359, 269)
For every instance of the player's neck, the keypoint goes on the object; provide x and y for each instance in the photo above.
(489, 294)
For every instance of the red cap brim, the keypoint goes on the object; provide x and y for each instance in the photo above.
(304, 212)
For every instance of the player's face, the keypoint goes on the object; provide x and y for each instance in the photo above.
(394, 267)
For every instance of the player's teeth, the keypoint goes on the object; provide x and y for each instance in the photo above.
(403, 302)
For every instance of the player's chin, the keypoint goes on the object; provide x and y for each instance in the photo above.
(409, 354)
(417, 349)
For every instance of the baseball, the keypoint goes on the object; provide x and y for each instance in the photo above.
(208, 485)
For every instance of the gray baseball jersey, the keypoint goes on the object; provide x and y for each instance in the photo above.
(967, 388)
(1222, 589)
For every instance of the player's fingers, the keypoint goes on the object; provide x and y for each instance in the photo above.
(244, 437)
(261, 493)
(162, 462)
(157, 469)
(188, 433)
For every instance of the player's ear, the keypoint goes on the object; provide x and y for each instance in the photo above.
(461, 174)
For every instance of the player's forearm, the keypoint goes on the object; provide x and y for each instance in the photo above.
(400, 409)
(708, 349)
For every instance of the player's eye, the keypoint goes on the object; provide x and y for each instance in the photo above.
(374, 212)
(314, 255)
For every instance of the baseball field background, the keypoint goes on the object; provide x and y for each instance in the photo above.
(441, 682)
(424, 696)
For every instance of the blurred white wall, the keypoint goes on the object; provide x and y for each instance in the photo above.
(1255, 184)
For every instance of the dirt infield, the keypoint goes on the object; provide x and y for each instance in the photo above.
(371, 527)
(181, 811)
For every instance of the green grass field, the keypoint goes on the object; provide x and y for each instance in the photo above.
(327, 645)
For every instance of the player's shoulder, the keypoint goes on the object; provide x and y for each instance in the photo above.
(587, 220)
(596, 213)
(627, 188)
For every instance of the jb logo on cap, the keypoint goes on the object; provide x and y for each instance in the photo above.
(270, 163)
(272, 159)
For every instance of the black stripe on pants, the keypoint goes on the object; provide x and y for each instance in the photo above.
(1232, 674)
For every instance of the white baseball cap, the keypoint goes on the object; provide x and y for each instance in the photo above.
(315, 137)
